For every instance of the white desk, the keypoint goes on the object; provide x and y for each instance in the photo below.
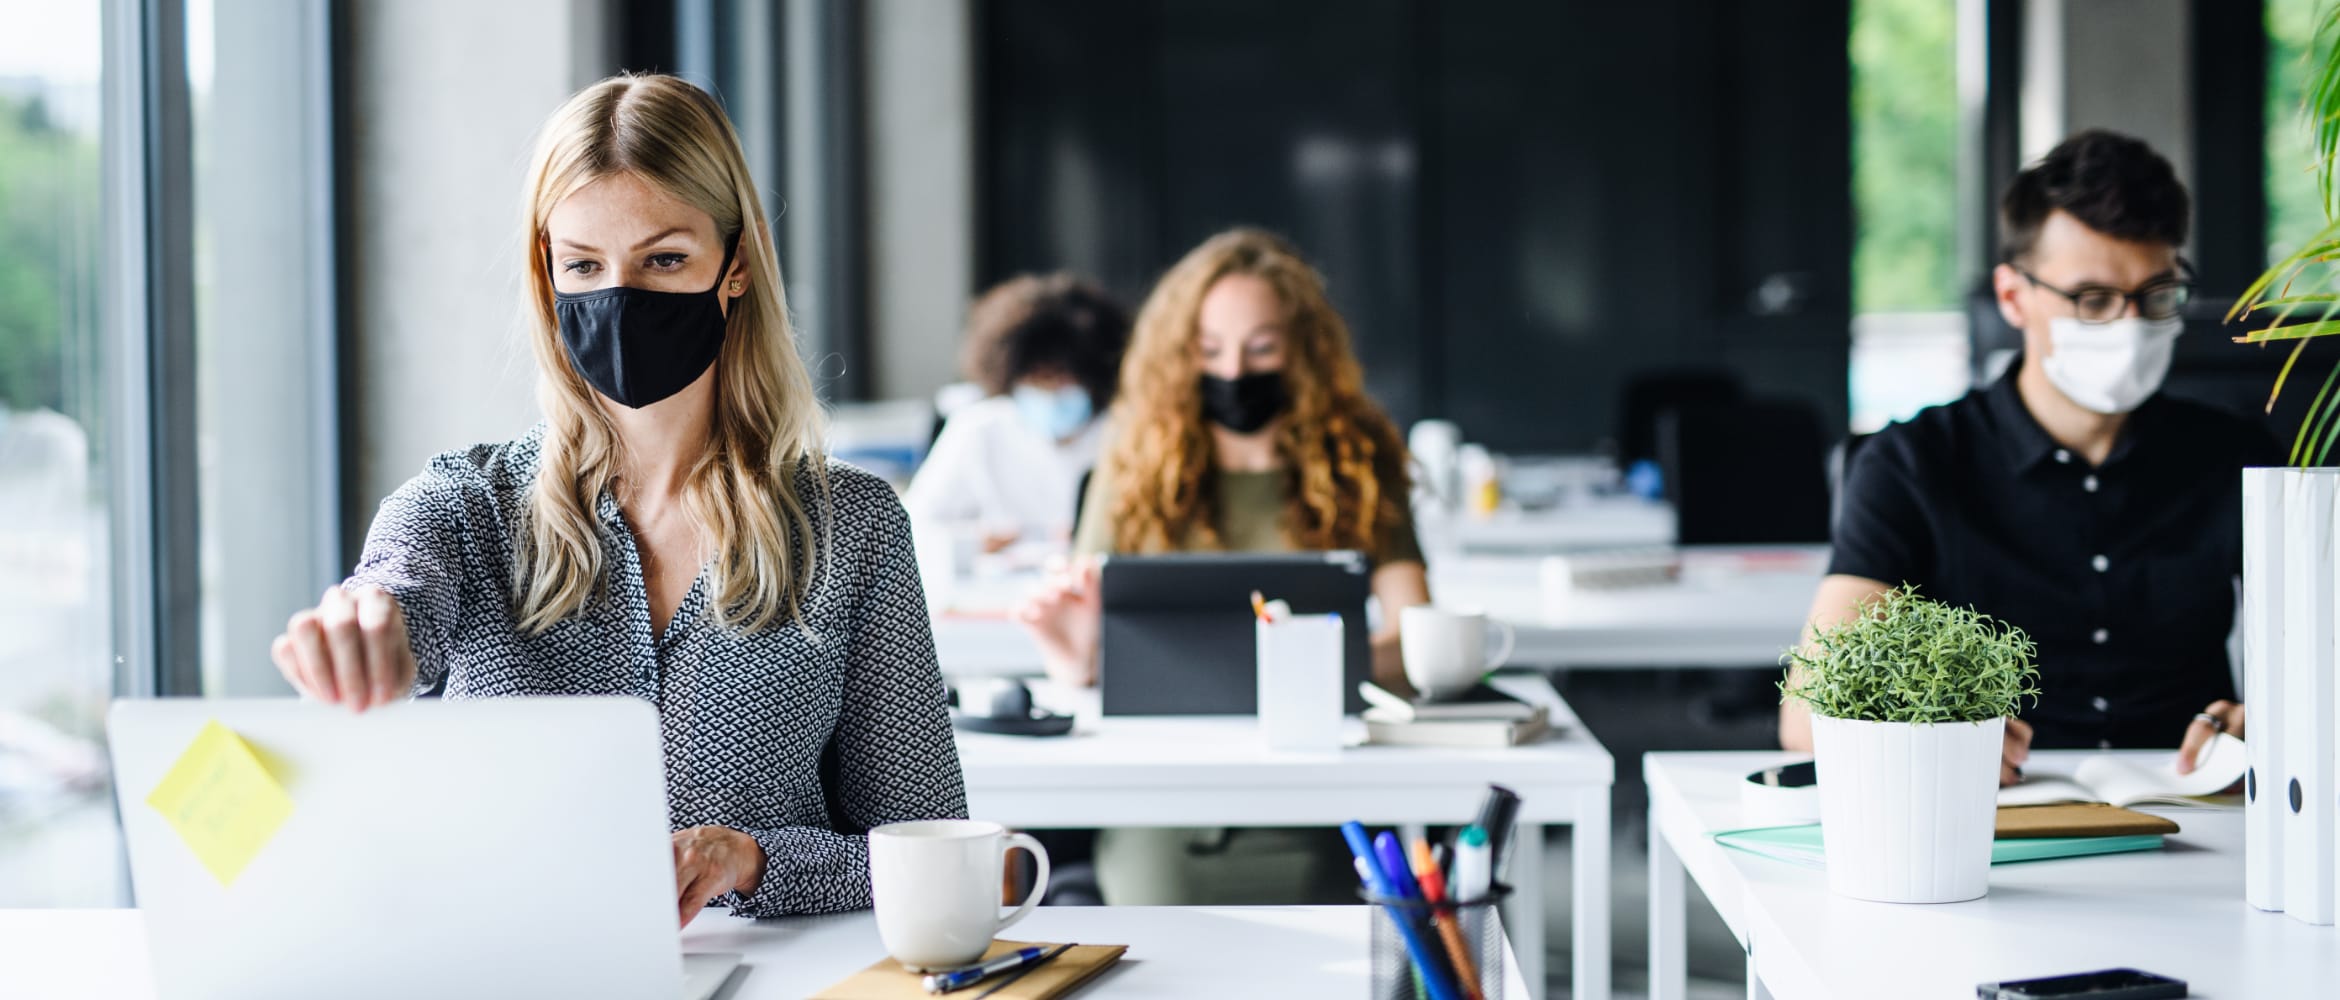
(1173, 951)
(2178, 911)
(1732, 608)
(1213, 771)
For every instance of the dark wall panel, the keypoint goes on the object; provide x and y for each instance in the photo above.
(1518, 206)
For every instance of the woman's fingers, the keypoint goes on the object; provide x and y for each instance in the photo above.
(338, 615)
(383, 631)
(308, 646)
(280, 652)
(2018, 742)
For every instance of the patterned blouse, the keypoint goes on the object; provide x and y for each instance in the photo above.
(802, 737)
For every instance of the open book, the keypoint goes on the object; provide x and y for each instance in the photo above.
(2128, 782)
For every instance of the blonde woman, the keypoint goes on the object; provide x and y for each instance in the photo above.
(671, 531)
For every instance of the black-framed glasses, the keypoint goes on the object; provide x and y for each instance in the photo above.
(2160, 298)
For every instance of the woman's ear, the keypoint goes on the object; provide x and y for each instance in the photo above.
(735, 283)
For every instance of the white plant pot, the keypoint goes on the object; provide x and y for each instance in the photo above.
(1907, 810)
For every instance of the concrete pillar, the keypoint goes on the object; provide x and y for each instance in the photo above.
(2124, 65)
(921, 158)
(441, 104)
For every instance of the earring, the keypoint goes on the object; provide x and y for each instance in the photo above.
(735, 288)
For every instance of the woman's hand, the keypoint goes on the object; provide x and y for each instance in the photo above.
(2199, 733)
(2013, 751)
(1064, 617)
(348, 650)
(710, 861)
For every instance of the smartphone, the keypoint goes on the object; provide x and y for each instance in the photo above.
(2109, 984)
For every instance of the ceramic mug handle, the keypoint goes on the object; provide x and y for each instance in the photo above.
(1510, 642)
(1039, 882)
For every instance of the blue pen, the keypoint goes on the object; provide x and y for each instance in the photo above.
(1377, 882)
(956, 979)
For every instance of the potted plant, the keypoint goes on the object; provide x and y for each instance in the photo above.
(1910, 700)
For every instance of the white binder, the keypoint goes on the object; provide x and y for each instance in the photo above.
(2262, 684)
(2308, 693)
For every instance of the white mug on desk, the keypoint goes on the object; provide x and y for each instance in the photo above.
(935, 884)
(1446, 650)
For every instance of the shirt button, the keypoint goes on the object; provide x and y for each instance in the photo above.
(2063, 457)
(2101, 563)
(2089, 484)
(2099, 704)
(2100, 637)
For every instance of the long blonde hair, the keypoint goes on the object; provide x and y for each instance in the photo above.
(1343, 461)
(742, 491)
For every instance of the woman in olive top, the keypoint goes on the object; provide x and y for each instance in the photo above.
(1242, 425)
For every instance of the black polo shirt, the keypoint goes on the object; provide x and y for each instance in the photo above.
(2124, 574)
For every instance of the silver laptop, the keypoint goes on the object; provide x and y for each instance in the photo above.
(508, 847)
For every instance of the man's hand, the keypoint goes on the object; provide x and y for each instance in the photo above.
(2199, 732)
(2015, 751)
(710, 861)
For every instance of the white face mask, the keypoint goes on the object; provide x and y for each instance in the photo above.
(2110, 367)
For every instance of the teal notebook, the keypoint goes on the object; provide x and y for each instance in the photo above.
(1800, 845)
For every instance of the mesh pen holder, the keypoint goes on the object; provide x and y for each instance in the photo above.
(1394, 975)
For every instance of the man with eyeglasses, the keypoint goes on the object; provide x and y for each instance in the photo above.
(2071, 498)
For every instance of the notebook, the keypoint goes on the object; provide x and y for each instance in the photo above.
(1455, 732)
(885, 979)
(1800, 845)
(1479, 701)
(1478, 717)
(2127, 782)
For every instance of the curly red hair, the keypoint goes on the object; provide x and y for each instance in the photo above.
(1343, 459)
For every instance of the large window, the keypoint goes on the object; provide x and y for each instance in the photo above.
(59, 845)
(167, 431)
(2293, 212)
(1909, 340)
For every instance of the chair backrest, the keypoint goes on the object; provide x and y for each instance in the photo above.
(1746, 472)
(1649, 395)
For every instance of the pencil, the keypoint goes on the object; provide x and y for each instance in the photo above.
(1434, 891)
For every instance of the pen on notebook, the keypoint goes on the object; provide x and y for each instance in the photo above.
(959, 979)
(1010, 979)
(1379, 883)
(1466, 972)
(1259, 607)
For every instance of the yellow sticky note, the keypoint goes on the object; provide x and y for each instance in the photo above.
(222, 800)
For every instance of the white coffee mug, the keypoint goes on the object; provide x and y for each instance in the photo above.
(936, 887)
(1446, 650)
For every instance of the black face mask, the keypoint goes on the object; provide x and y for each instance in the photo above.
(637, 346)
(1245, 404)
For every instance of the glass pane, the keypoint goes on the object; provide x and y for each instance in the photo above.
(256, 371)
(1905, 155)
(1909, 341)
(2293, 214)
(59, 843)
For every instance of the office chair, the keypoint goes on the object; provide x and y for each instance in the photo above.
(1840, 459)
(1649, 395)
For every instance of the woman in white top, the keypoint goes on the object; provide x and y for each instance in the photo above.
(1007, 468)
